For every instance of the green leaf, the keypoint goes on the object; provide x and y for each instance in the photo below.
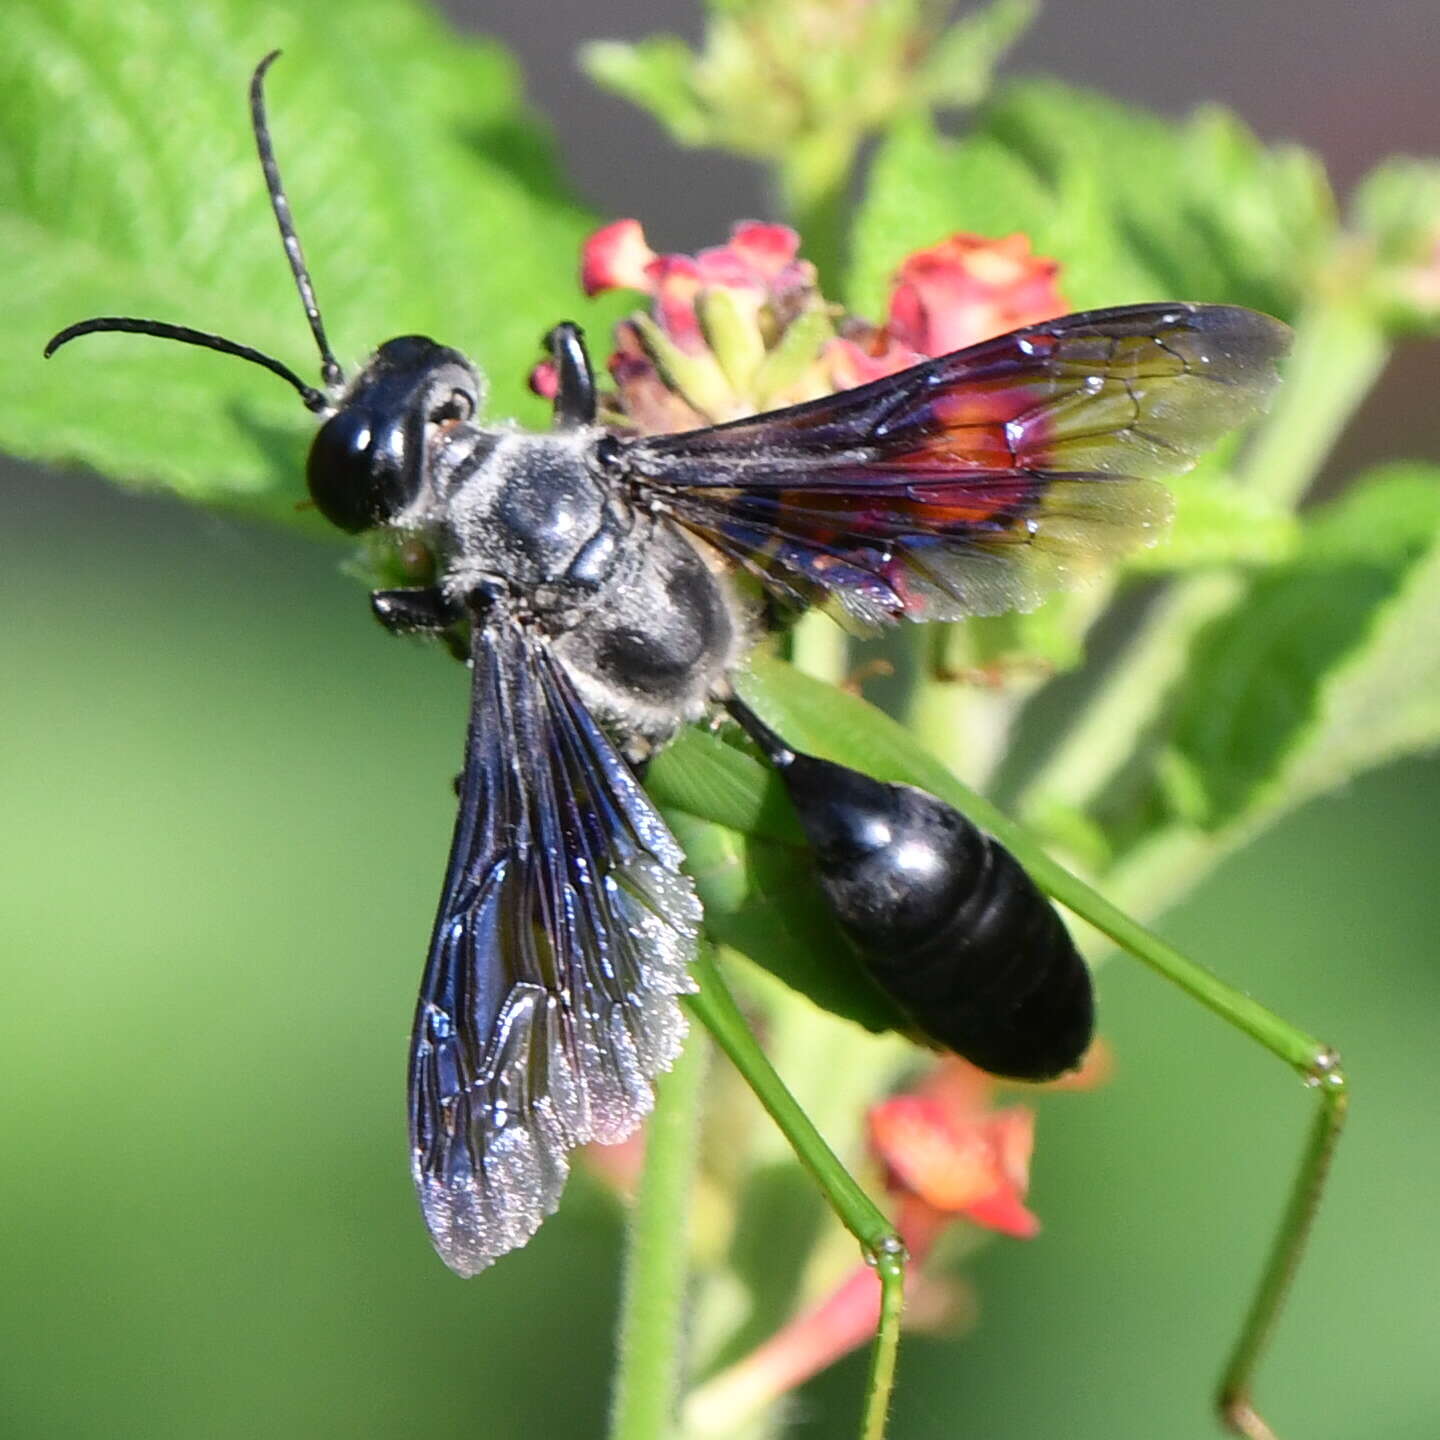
(1327, 665)
(655, 75)
(425, 192)
(761, 899)
(701, 775)
(817, 717)
(748, 856)
(1266, 215)
(962, 62)
(1133, 206)
(1218, 522)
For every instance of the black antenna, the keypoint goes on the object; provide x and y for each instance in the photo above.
(314, 399)
(330, 371)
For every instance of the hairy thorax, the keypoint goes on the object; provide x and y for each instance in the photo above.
(646, 628)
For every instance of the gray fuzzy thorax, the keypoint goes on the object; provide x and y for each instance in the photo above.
(643, 622)
(529, 509)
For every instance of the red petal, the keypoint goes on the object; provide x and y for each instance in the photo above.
(963, 1089)
(852, 364)
(1012, 1134)
(948, 1166)
(947, 1154)
(968, 289)
(723, 265)
(1004, 1213)
(618, 1166)
(616, 257)
(676, 282)
(768, 248)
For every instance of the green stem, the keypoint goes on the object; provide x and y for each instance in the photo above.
(1339, 353)
(813, 180)
(1234, 1402)
(716, 1009)
(1314, 1061)
(651, 1331)
(1109, 729)
(819, 647)
(934, 707)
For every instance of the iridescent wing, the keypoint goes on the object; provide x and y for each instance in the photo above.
(975, 483)
(560, 946)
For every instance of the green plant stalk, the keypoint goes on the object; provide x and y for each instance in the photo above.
(1340, 350)
(1339, 353)
(819, 647)
(715, 1007)
(1235, 1404)
(812, 181)
(1315, 1062)
(937, 711)
(651, 1331)
(1111, 725)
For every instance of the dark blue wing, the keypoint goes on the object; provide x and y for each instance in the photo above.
(977, 482)
(560, 946)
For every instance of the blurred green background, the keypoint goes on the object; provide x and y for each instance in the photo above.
(228, 802)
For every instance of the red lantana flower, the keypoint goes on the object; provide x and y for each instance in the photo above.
(949, 1158)
(948, 1155)
(732, 330)
(964, 290)
(742, 327)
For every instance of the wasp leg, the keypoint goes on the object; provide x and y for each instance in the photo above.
(769, 744)
(714, 1006)
(421, 610)
(575, 381)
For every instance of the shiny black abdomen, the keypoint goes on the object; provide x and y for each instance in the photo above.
(948, 922)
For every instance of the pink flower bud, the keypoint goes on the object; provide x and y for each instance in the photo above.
(767, 249)
(675, 281)
(545, 380)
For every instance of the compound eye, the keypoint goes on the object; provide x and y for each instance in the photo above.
(357, 471)
(454, 408)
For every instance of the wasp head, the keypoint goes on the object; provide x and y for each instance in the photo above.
(367, 461)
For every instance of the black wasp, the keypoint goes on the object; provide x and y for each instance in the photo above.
(592, 577)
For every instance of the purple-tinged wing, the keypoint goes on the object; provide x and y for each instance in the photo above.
(562, 941)
(977, 482)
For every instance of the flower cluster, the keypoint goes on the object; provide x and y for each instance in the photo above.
(950, 1159)
(742, 327)
(731, 331)
(957, 293)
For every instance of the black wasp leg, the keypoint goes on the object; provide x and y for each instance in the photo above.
(415, 610)
(769, 744)
(575, 381)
